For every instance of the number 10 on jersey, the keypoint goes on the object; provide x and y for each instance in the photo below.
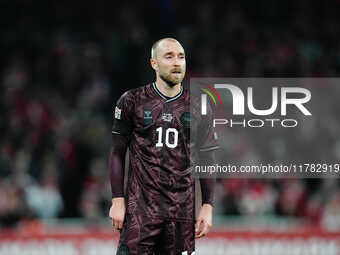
(168, 131)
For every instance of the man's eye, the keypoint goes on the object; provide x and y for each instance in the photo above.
(168, 56)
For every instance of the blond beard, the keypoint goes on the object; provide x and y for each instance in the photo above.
(170, 79)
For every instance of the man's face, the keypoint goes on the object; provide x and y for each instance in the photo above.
(170, 58)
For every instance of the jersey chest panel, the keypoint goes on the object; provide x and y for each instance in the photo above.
(159, 123)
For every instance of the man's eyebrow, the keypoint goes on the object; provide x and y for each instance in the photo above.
(171, 52)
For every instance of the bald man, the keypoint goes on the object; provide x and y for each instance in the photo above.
(156, 214)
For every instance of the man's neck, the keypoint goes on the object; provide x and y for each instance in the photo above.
(166, 90)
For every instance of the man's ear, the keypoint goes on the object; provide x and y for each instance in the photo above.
(153, 63)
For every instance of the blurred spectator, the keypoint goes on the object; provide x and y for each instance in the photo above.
(292, 198)
(257, 199)
(331, 212)
(44, 197)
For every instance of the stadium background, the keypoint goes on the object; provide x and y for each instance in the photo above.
(63, 65)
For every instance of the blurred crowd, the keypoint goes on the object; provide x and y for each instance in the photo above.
(64, 64)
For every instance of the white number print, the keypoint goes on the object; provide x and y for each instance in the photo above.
(167, 137)
(186, 253)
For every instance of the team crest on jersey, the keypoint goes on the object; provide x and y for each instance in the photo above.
(147, 118)
(187, 119)
(118, 113)
(167, 117)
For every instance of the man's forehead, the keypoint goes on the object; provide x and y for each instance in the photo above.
(169, 46)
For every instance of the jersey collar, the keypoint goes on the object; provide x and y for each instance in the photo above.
(162, 96)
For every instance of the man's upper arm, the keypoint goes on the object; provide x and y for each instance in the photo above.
(123, 116)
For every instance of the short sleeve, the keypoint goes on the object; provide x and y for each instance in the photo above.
(123, 115)
(208, 136)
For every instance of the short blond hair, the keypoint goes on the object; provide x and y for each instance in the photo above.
(155, 45)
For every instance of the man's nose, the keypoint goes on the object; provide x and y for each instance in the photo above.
(177, 61)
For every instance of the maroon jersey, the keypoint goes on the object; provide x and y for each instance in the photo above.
(158, 129)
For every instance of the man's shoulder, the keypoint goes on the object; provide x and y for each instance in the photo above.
(135, 92)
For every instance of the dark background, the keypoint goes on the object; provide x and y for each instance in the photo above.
(63, 64)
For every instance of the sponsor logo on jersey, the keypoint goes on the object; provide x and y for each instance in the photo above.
(167, 117)
(147, 118)
(118, 113)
